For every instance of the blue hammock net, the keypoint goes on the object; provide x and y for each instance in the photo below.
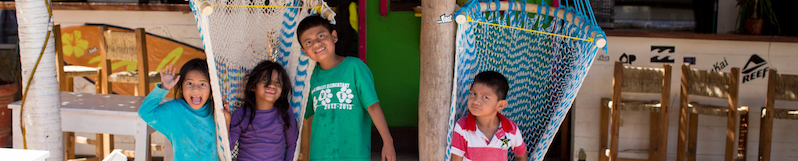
(239, 34)
(544, 58)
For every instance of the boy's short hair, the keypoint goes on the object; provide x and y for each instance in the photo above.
(309, 22)
(494, 80)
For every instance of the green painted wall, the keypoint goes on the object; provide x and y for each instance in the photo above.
(393, 56)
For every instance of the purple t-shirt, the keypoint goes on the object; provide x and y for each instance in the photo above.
(265, 139)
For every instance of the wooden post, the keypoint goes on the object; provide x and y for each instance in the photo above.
(654, 135)
(742, 141)
(104, 146)
(731, 124)
(565, 136)
(681, 145)
(766, 124)
(603, 129)
(143, 64)
(617, 83)
(665, 105)
(69, 145)
(59, 60)
(304, 148)
(692, 135)
(105, 64)
(98, 146)
(437, 70)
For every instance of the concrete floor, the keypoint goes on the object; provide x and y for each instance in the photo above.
(399, 157)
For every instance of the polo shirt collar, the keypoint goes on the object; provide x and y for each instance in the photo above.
(471, 124)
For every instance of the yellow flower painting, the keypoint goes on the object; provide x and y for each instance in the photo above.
(73, 44)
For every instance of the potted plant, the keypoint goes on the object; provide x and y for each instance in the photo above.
(9, 87)
(752, 16)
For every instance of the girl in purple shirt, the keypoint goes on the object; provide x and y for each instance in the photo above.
(263, 126)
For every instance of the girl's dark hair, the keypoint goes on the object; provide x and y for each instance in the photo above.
(263, 72)
(194, 64)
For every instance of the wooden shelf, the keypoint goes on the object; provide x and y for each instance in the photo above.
(681, 35)
(109, 6)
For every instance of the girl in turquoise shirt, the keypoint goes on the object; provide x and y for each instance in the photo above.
(187, 121)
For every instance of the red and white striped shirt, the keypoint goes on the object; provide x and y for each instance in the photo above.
(471, 144)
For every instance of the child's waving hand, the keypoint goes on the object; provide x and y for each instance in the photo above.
(168, 79)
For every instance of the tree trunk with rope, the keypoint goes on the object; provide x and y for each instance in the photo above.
(41, 116)
(437, 70)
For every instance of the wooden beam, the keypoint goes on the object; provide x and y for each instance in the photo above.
(623, 159)
(617, 83)
(97, 86)
(565, 136)
(437, 46)
(654, 135)
(361, 25)
(105, 64)
(104, 145)
(85, 159)
(99, 151)
(59, 59)
(766, 123)
(69, 145)
(692, 134)
(567, 15)
(10, 5)
(700, 36)
(665, 104)
(304, 148)
(681, 144)
(143, 65)
(604, 129)
(742, 141)
(731, 124)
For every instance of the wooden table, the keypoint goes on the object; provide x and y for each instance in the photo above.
(99, 113)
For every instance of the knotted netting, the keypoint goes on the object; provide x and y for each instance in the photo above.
(239, 34)
(544, 55)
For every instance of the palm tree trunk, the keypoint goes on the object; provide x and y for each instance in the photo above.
(436, 78)
(41, 116)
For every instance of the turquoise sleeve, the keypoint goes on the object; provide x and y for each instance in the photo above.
(152, 112)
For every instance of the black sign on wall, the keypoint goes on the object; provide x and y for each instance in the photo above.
(690, 60)
(627, 59)
(754, 69)
(663, 58)
(603, 58)
(720, 65)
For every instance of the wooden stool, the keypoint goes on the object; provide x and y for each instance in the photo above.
(780, 87)
(637, 80)
(709, 84)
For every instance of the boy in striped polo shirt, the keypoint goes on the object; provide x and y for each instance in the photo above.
(470, 139)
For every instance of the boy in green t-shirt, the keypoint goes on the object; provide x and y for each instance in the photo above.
(342, 102)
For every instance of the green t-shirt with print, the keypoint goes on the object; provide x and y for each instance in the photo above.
(341, 128)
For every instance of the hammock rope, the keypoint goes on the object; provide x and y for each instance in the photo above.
(265, 6)
(529, 30)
